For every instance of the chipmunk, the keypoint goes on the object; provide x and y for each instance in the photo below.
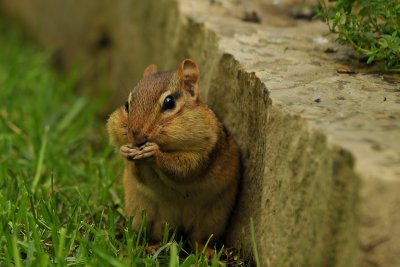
(181, 166)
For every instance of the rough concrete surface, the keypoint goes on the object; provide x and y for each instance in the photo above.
(320, 149)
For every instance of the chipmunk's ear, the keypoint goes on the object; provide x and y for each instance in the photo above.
(188, 73)
(151, 69)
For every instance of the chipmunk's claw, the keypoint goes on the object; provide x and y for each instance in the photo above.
(129, 152)
(133, 153)
(147, 150)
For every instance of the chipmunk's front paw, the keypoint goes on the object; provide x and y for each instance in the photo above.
(128, 151)
(145, 151)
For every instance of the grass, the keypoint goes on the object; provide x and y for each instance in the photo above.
(60, 185)
(371, 27)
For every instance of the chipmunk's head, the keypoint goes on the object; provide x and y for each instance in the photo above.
(162, 107)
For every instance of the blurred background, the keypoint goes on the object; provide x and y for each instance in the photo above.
(112, 42)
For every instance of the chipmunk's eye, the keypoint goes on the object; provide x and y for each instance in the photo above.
(169, 103)
(126, 106)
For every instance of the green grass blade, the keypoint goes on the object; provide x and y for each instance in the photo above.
(174, 259)
(71, 115)
(161, 249)
(39, 165)
(15, 250)
(189, 261)
(111, 261)
(36, 237)
(61, 246)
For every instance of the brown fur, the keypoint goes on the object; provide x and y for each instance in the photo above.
(187, 172)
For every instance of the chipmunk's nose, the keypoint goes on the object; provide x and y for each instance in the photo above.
(140, 139)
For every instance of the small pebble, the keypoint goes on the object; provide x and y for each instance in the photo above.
(302, 11)
(252, 16)
(345, 69)
(320, 40)
(331, 50)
